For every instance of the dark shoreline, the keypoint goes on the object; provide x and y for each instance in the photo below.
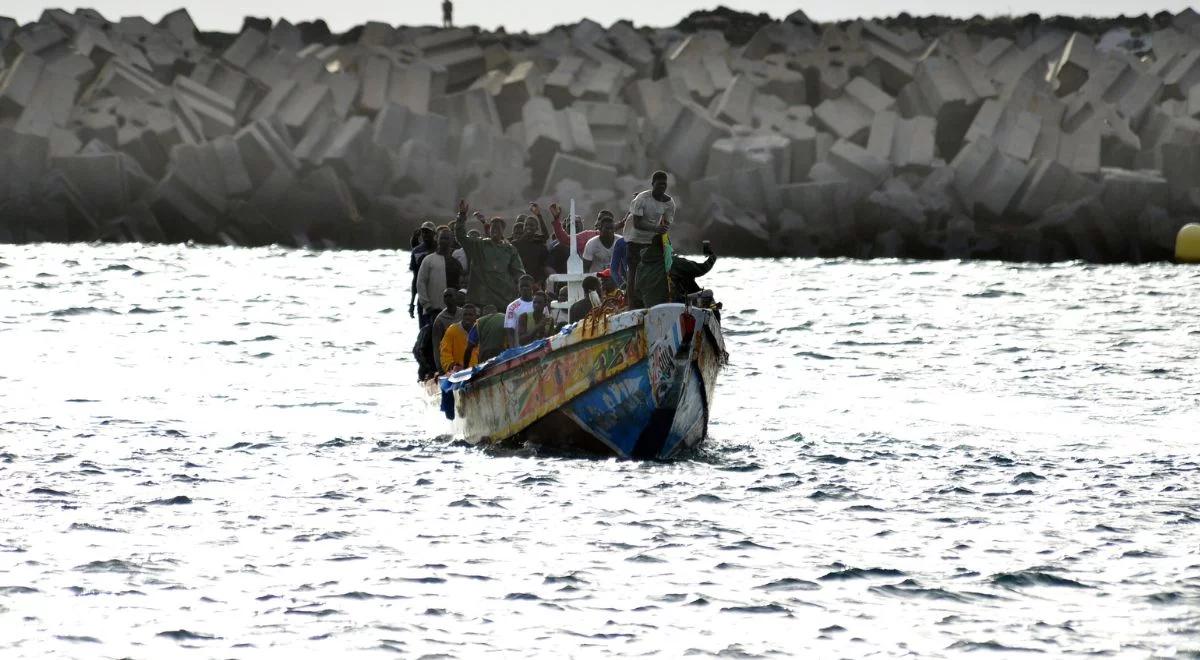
(1020, 139)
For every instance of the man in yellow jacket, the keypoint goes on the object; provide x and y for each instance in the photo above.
(453, 349)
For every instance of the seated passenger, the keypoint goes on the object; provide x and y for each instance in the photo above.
(538, 324)
(487, 340)
(591, 299)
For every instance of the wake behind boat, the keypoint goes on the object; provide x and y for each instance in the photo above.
(636, 384)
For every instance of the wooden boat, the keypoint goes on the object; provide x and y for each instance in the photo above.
(636, 384)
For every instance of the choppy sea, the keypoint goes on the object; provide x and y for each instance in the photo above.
(223, 453)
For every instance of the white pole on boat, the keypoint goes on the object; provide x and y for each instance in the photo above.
(574, 261)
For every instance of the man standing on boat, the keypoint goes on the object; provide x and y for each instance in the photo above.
(447, 14)
(493, 265)
(437, 271)
(651, 213)
(426, 245)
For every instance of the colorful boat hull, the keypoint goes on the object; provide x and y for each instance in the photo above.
(636, 385)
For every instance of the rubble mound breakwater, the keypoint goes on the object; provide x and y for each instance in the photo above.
(1023, 139)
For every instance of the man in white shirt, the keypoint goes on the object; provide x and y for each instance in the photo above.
(518, 308)
(597, 254)
(651, 213)
(437, 272)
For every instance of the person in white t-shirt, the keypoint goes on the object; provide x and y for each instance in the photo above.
(651, 213)
(518, 308)
(597, 254)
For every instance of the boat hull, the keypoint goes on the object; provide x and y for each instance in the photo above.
(637, 385)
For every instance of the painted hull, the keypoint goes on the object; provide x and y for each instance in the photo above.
(637, 385)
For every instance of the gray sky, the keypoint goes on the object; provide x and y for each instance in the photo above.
(538, 15)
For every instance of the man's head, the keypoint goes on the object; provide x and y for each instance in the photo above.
(609, 285)
(658, 182)
(591, 283)
(461, 297)
(525, 287)
(428, 233)
(540, 302)
(518, 227)
(531, 227)
(474, 233)
(450, 298)
(563, 293)
(445, 241)
(496, 229)
(470, 315)
(607, 226)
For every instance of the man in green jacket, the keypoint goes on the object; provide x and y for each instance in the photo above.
(493, 264)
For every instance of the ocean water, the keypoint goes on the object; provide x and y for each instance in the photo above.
(217, 452)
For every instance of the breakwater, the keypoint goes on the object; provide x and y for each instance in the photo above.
(1022, 139)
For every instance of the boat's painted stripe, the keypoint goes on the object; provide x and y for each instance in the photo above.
(499, 408)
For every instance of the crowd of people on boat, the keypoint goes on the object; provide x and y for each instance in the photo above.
(479, 290)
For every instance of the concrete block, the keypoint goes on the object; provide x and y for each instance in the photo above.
(18, 83)
(591, 175)
(1014, 132)
(739, 231)
(1183, 74)
(548, 132)
(310, 106)
(1193, 101)
(632, 48)
(265, 151)
(117, 78)
(855, 164)
(699, 79)
(373, 92)
(39, 38)
(905, 143)
(684, 148)
(655, 102)
(1048, 183)
(850, 116)
(343, 89)
(827, 208)
(207, 110)
(986, 178)
(247, 46)
(735, 105)
(1079, 150)
(397, 124)
(471, 106)
(523, 83)
(49, 106)
(1181, 169)
(1072, 68)
(414, 86)
(751, 151)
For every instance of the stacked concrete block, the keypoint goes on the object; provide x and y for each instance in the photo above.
(684, 148)
(850, 115)
(549, 132)
(826, 140)
(905, 143)
(986, 178)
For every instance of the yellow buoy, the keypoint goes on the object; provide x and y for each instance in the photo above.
(1187, 244)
